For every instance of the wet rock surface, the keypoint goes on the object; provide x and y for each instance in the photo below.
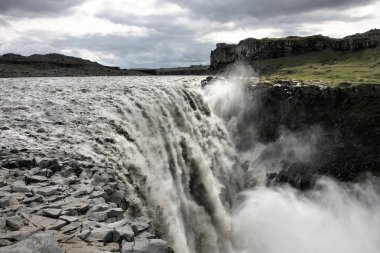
(68, 210)
(76, 155)
(307, 130)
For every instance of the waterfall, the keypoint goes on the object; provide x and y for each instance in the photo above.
(184, 161)
(174, 147)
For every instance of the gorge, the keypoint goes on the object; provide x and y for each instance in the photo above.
(111, 164)
(124, 161)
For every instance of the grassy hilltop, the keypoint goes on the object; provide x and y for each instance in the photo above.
(328, 66)
(352, 59)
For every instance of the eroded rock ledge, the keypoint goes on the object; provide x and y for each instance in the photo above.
(251, 49)
(66, 205)
(335, 130)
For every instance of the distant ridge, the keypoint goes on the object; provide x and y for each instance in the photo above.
(37, 65)
(58, 65)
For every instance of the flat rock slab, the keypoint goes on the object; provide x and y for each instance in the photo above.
(69, 219)
(47, 191)
(19, 235)
(35, 179)
(42, 242)
(98, 235)
(146, 246)
(70, 248)
(52, 212)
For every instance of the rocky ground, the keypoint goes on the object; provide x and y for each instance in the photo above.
(65, 205)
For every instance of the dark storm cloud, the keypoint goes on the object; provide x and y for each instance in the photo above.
(233, 10)
(27, 8)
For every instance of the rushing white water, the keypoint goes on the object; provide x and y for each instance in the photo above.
(332, 218)
(180, 165)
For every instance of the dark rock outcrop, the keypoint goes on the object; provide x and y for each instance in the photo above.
(309, 130)
(250, 50)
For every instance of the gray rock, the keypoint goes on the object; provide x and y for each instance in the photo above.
(14, 222)
(35, 179)
(19, 235)
(140, 226)
(118, 224)
(88, 225)
(71, 228)
(50, 164)
(99, 179)
(52, 212)
(98, 194)
(57, 225)
(115, 212)
(37, 198)
(19, 186)
(124, 233)
(7, 201)
(4, 242)
(79, 248)
(146, 246)
(68, 219)
(146, 235)
(73, 209)
(47, 191)
(98, 207)
(103, 234)
(3, 183)
(4, 174)
(67, 171)
(43, 242)
(40, 221)
(84, 190)
(98, 216)
(34, 170)
(70, 180)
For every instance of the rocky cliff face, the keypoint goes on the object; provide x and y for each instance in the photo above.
(304, 131)
(250, 49)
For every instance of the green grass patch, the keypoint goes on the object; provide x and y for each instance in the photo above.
(327, 66)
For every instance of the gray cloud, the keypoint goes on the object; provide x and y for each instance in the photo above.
(3, 22)
(27, 8)
(233, 10)
(171, 39)
(154, 51)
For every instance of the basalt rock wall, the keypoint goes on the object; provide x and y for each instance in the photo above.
(250, 50)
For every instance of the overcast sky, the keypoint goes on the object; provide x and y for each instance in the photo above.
(162, 33)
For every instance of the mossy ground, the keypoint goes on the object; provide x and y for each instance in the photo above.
(327, 66)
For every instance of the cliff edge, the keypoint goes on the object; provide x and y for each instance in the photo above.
(251, 50)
